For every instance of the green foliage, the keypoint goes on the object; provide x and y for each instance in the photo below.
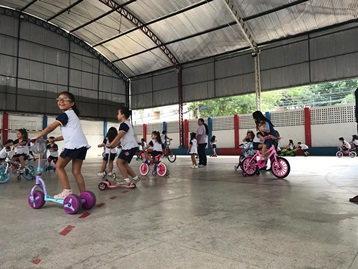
(325, 94)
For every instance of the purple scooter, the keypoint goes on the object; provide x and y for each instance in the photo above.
(38, 195)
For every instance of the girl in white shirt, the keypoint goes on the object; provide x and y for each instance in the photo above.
(193, 149)
(75, 143)
(156, 144)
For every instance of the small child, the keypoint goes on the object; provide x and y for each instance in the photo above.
(213, 146)
(354, 143)
(193, 149)
(345, 146)
(7, 148)
(53, 150)
(21, 149)
(249, 143)
(156, 144)
(304, 148)
(108, 152)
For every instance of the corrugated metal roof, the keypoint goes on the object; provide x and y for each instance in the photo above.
(146, 35)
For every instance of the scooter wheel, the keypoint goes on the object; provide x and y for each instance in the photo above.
(102, 186)
(37, 200)
(72, 204)
(132, 186)
(114, 176)
(89, 200)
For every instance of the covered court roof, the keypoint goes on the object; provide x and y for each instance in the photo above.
(141, 36)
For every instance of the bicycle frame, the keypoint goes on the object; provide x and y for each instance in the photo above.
(260, 163)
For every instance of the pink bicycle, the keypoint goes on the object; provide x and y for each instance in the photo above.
(280, 167)
(158, 169)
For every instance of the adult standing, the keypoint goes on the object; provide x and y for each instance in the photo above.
(202, 138)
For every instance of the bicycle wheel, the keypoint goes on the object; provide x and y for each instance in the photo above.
(249, 166)
(144, 169)
(29, 172)
(352, 154)
(4, 176)
(280, 167)
(339, 154)
(171, 157)
(161, 169)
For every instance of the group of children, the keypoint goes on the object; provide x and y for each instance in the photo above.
(22, 150)
(346, 146)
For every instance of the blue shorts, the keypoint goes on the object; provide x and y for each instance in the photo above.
(111, 158)
(19, 155)
(127, 154)
(74, 153)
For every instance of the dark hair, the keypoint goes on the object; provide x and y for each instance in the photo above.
(251, 133)
(341, 138)
(164, 132)
(192, 135)
(299, 143)
(9, 141)
(111, 134)
(206, 126)
(143, 139)
(290, 141)
(258, 117)
(354, 137)
(213, 138)
(51, 137)
(159, 140)
(7, 148)
(126, 112)
(73, 100)
(23, 132)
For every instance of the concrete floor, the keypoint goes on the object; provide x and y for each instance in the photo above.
(210, 217)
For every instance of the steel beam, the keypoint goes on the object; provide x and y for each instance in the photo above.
(100, 17)
(64, 10)
(136, 21)
(29, 4)
(250, 40)
(54, 28)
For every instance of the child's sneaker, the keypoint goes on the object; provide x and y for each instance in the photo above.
(110, 174)
(63, 194)
(101, 174)
(195, 166)
(21, 170)
(123, 182)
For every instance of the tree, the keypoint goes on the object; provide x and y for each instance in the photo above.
(325, 94)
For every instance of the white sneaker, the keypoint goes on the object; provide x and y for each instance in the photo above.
(110, 174)
(101, 174)
(63, 194)
(195, 166)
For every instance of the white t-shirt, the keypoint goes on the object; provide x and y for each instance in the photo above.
(72, 133)
(108, 150)
(346, 144)
(202, 131)
(156, 146)
(194, 146)
(3, 153)
(128, 141)
(303, 146)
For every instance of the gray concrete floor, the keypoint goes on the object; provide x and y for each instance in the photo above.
(210, 217)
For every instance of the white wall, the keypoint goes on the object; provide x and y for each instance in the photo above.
(326, 135)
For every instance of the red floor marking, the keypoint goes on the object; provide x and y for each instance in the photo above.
(113, 197)
(84, 215)
(101, 204)
(36, 260)
(124, 191)
(67, 230)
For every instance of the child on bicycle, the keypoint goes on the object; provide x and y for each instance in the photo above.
(21, 149)
(7, 148)
(248, 143)
(111, 153)
(193, 149)
(266, 137)
(53, 150)
(166, 141)
(345, 146)
(213, 146)
(156, 144)
(304, 148)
